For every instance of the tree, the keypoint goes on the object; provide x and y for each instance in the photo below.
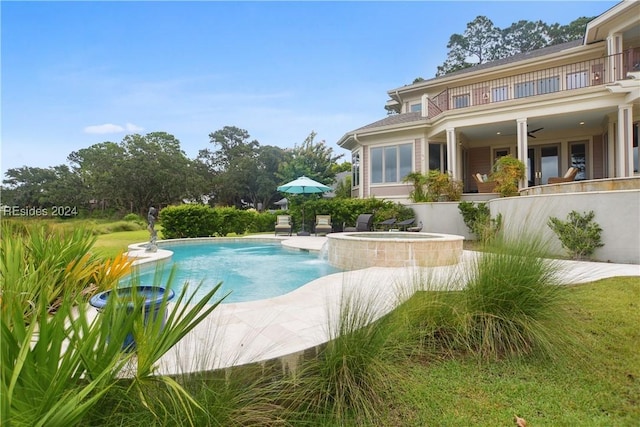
(139, 172)
(233, 165)
(483, 42)
(311, 159)
(97, 167)
(264, 191)
(154, 171)
(525, 36)
(566, 33)
(43, 188)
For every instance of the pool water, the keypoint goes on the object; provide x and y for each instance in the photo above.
(250, 270)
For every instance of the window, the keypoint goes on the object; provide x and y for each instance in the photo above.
(355, 169)
(416, 108)
(548, 85)
(577, 80)
(500, 152)
(524, 89)
(437, 157)
(578, 159)
(500, 93)
(461, 101)
(391, 164)
(405, 152)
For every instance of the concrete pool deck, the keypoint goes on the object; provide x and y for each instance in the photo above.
(285, 326)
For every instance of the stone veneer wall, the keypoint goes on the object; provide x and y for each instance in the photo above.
(362, 250)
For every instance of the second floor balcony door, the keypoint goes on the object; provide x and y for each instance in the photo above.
(543, 162)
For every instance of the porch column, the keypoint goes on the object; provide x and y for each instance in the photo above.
(624, 141)
(611, 150)
(452, 153)
(523, 149)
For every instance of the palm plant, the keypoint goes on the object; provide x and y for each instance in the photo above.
(57, 366)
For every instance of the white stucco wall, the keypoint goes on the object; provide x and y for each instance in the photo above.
(441, 217)
(617, 213)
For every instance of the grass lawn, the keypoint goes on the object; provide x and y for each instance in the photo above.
(596, 383)
(110, 245)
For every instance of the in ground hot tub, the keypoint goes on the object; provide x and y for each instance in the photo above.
(352, 251)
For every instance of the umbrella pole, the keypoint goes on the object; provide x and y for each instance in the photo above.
(302, 232)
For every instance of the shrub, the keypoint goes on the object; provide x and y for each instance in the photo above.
(263, 221)
(346, 211)
(114, 227)
(477, 218)
(133, 217)
(188, 221)
(580, 235)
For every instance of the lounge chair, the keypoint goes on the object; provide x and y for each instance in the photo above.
(416, 228)
(569, 176)
(363, 223)
(402, 225)
(283, 224)
(323, 224)
(386, 224)
(484, 186)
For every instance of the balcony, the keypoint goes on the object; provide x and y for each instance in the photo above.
(574, 76)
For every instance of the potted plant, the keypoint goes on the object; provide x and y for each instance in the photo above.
(507, 172)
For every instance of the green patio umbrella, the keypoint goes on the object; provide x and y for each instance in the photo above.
(303, 185)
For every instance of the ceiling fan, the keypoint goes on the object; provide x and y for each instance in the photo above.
(530, 134)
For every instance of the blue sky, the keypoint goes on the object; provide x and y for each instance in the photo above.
(78, 73)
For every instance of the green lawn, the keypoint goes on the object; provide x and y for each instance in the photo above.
(110, 245)
(597, 383)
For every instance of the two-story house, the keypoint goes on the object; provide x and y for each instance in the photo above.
(574, 104)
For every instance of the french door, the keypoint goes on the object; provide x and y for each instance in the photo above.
(543, 162)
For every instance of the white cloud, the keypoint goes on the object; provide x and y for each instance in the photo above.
(111, 128)
(130, 127)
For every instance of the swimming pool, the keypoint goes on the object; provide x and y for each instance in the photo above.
(250, 270)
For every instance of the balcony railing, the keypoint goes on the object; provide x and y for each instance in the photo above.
(593, 72)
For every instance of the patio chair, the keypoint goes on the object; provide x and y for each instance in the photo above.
(283, 224)
(363, 223)
(569, 176)
(386, 224)
(416, 228)
(323, 224)
(484, 186)
(402, 225)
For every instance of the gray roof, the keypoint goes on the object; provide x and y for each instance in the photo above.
(520, 57)
(395, 119)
